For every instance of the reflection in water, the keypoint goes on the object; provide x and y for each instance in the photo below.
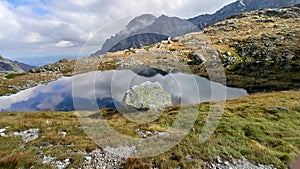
(94, 90)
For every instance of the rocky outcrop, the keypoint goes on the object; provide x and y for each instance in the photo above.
(147, 96)
(238, 7)
(260, 48)
(63, 66)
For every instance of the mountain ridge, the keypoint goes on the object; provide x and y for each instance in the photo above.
(238, 7)
(15, 66)
(163, 25)
(170, 29)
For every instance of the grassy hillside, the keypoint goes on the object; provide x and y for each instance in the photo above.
(253, 127)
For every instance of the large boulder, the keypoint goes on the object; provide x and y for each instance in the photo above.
(147, 96)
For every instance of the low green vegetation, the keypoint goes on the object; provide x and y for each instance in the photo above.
(129, 51)
(148, 47)
(13, 75)
(253, 127)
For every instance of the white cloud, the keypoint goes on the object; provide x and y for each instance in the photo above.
(64, 44)
(8, 22)
(33, 38)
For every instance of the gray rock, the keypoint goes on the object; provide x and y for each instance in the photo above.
(111, 157)
(121, 151)
(58, 164)
(147, 96)
(148, 133)
(62, 133)
(227, 163)
(236, 164)
(88, 158)
(4, 129)
(163, 134)
(219, 159)
(228, 53)
(196, 59)
(282, 108)
(62, 164)
(47, 159)
(188, 157)
(28, 135)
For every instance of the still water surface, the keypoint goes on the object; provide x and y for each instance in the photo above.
(99, 89)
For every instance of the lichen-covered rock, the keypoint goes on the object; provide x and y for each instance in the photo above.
(147, 96)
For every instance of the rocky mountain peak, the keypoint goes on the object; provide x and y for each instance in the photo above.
(141, 22)
(145, 30)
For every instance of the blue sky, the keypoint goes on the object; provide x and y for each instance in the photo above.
(34, 5)
(53, 28)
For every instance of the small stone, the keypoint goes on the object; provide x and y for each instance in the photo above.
(62, 133)
(164, 134)
(228, 53)
(188, 157)
(219, 42)
(148, 133)
(227, 163)
(88, 158)
(282, 108)
(219, 159)
(2, 130)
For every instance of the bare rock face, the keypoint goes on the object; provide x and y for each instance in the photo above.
(147, 96)
(8, 65)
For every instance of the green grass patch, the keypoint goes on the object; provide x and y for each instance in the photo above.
(148, 47)
(13, 75)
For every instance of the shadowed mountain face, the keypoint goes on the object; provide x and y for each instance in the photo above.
(137, 41)
(238, 7)
(9, 65)
(146, 30)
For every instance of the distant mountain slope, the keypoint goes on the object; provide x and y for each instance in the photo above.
(137, 41)
(9, 65)
(240, 6)
(145, 30)
(24, 66)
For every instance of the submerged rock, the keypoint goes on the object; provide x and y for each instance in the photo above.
(147, 96)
